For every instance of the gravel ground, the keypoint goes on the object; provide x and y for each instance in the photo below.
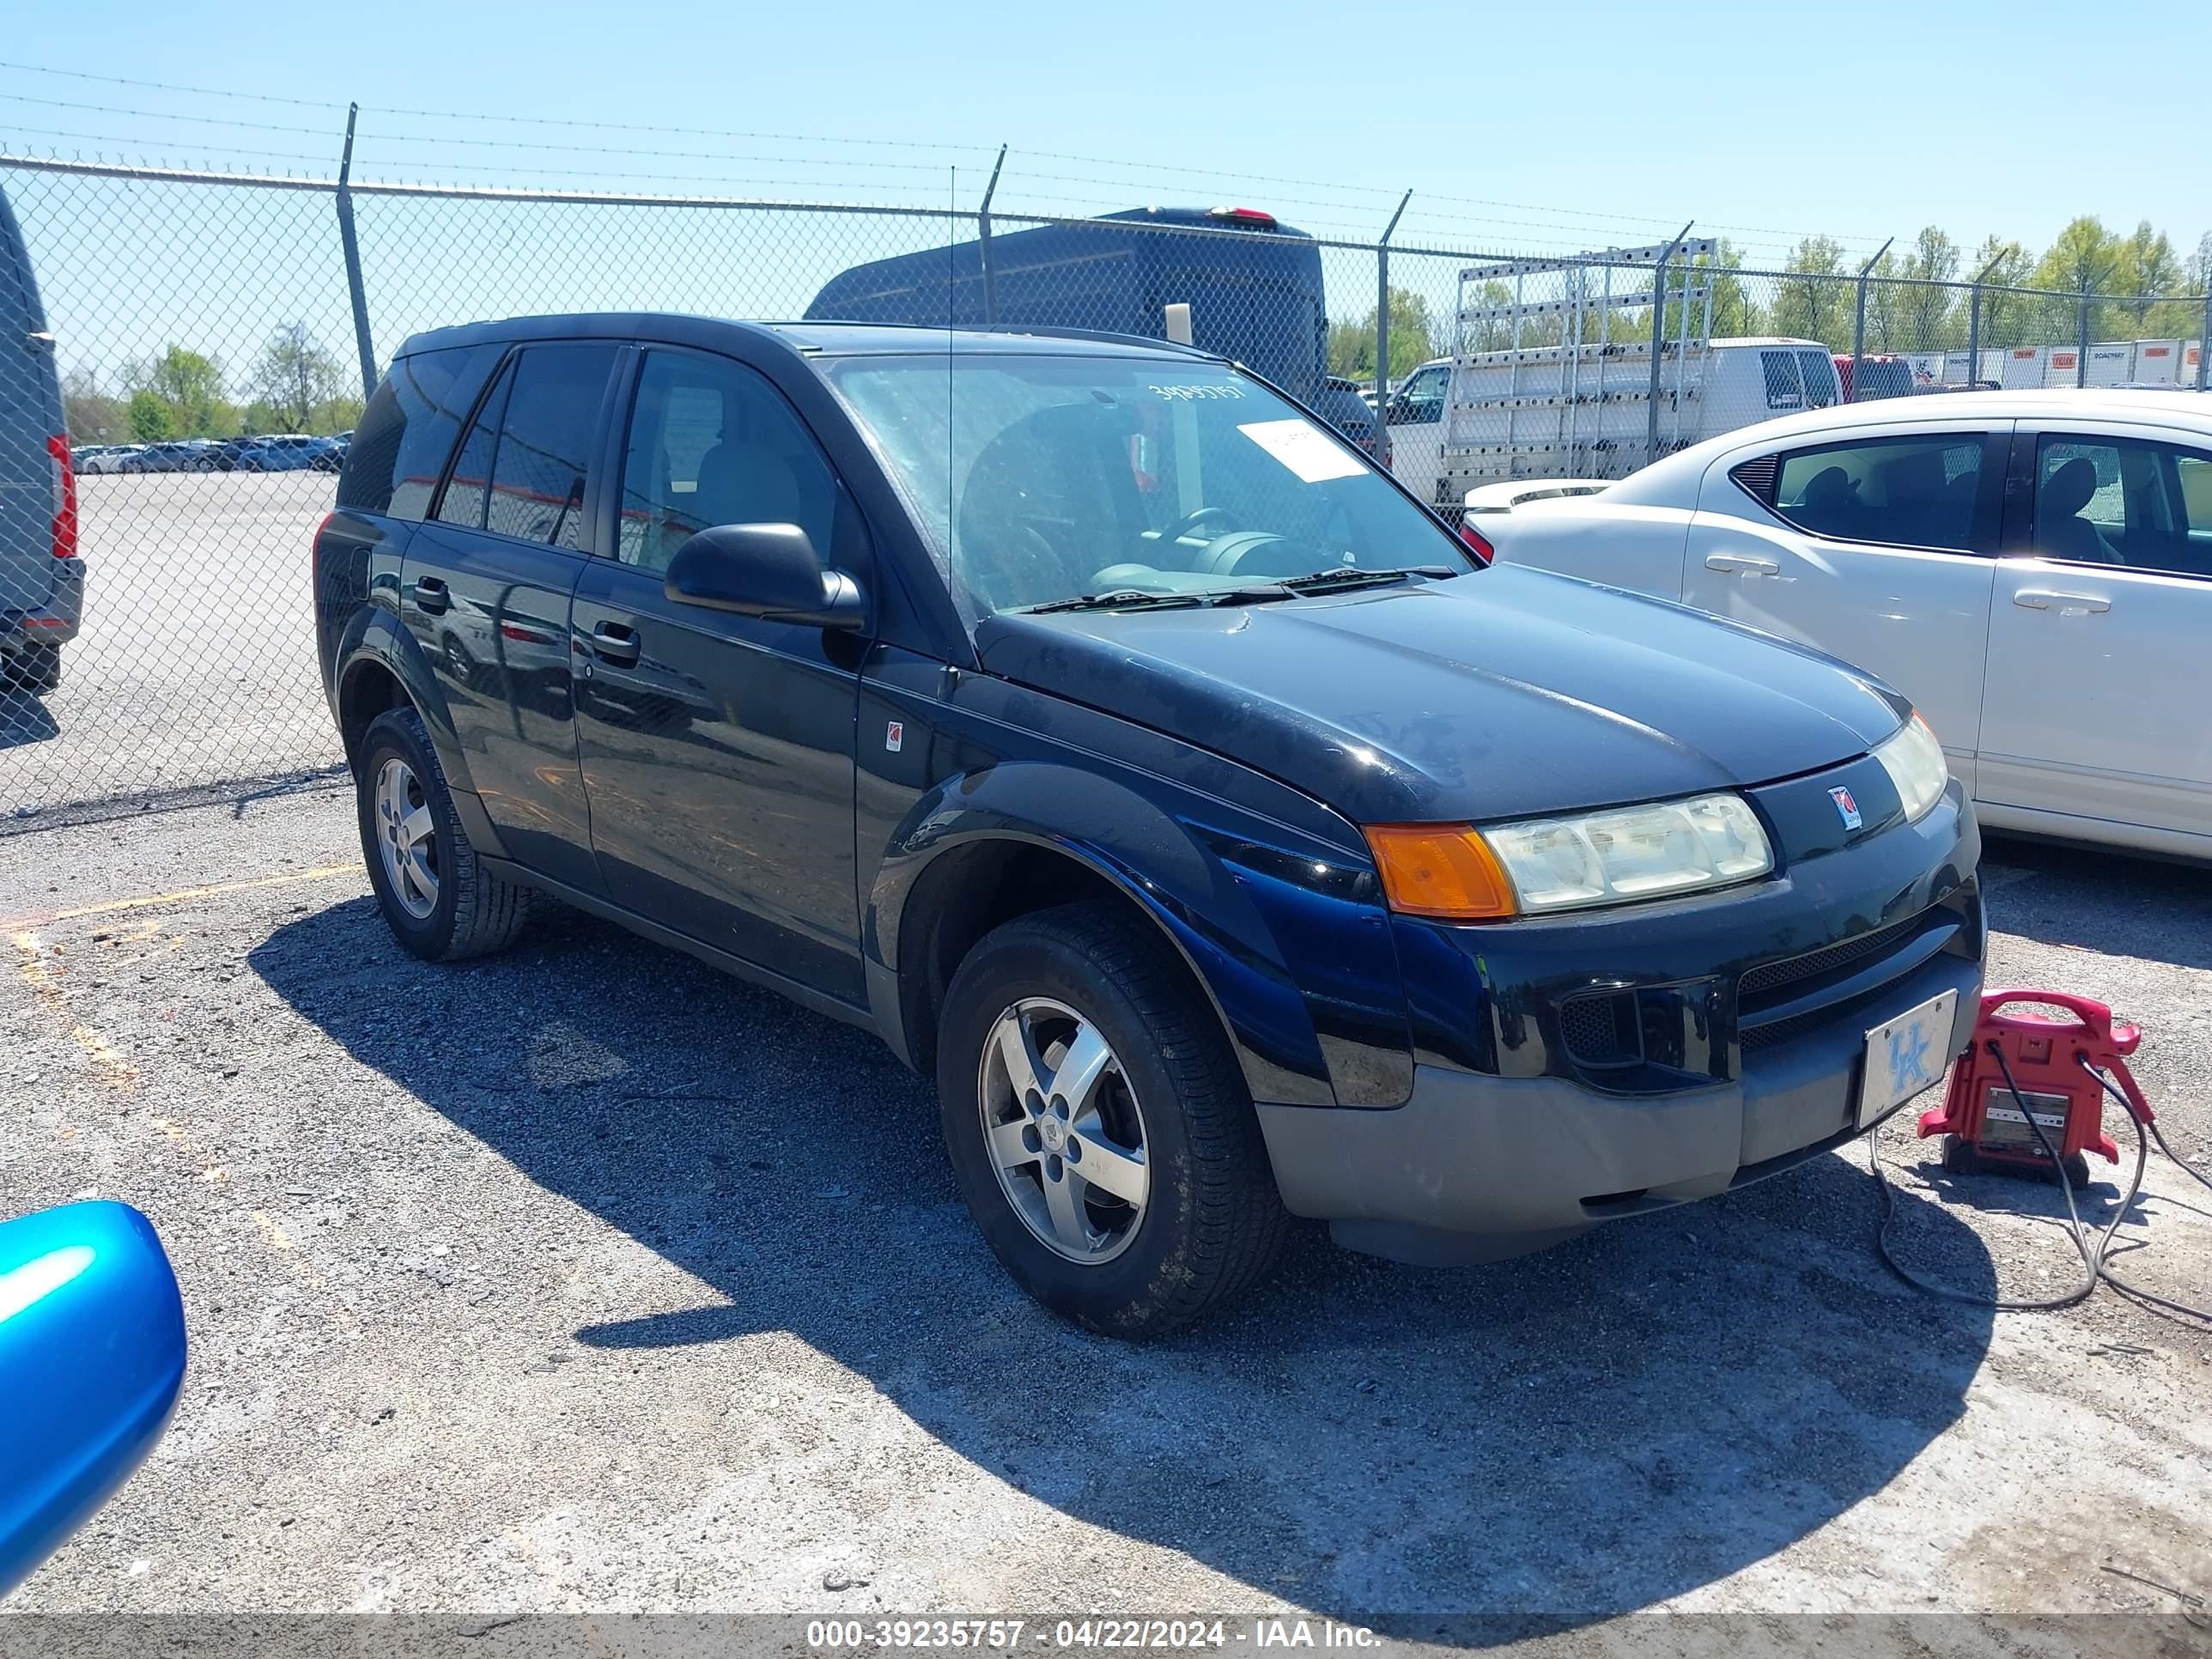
(583, 1279)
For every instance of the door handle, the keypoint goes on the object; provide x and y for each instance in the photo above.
(1743, 563)
(431, 597)
(2042, 599)
(616, 643)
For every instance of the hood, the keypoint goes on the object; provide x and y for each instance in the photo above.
(1504, 694)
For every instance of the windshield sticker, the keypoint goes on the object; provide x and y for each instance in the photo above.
(1305, 449)
(1202, 393)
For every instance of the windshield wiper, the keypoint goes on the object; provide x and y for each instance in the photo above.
(1133, 599)
(1348, 576)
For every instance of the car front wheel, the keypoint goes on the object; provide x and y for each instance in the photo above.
(441, 902)
(1099, 1128)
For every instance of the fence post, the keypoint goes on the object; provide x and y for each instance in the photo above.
(2204, 333)
(1382, 316)
(1974, 324)
(351, 245)
(1659, 341)
(2081, 345)
(983, 249)
(1858, 323)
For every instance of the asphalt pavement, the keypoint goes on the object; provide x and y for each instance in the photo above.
(584, 1279)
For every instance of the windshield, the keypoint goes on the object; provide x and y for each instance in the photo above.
(1048, 479)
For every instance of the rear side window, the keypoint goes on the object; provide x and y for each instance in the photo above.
(1899, 492)
(1822, 383)
(408, 430)
(545, 441)
(462, 503)
(1784, 389)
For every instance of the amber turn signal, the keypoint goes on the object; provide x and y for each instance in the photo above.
(1440, 870)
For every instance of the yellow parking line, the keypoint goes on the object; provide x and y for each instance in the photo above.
(108, 1065)
(319, 874)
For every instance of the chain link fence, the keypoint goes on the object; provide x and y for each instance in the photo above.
(213, 336)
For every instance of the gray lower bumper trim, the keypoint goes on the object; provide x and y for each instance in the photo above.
(1470, 1154)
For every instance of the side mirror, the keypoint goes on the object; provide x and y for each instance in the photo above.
(92, 1352)
(767, 570)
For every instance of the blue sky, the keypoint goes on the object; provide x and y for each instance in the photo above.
(1550, 126)
(1524, 128)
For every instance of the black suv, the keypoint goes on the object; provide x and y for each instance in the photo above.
(1087, 719)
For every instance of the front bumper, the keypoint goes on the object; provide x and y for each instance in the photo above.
(1573, 1070)
(1472, 1168)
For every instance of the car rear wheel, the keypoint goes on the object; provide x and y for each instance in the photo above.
(1098, 1126)
(439, 900)
(34, 667)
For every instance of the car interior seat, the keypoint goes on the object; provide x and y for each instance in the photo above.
(2060, 533)
(1040, 513)
(1830, 505)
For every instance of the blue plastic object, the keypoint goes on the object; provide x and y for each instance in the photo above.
(91, 1355)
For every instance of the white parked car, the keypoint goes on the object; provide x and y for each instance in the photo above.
(2033, 569)
(104, 458)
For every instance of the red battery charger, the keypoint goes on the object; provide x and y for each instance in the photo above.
(1983, 1127)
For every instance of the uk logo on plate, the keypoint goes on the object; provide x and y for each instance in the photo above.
(1846, 808)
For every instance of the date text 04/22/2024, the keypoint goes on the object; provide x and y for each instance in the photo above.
(1076, 1635)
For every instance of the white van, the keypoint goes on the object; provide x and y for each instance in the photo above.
(1557, 412)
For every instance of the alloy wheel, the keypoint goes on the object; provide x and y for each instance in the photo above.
(1063, 1130)
(407, 837)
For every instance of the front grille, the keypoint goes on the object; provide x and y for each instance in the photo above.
(1774, 982)
(1758, 983)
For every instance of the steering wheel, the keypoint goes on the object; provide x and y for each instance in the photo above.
(1192, 520)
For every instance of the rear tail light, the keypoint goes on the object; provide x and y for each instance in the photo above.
(1243, 216)
(65, 497)
(1479, 542)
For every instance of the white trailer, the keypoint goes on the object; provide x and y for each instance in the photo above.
(1956, 371)
(2157, 363)
(2027, 365)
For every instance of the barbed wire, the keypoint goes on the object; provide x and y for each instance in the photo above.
(1377, 193)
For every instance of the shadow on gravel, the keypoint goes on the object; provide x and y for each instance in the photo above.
(1467, 1456)
(25, 718)
(2099, 901)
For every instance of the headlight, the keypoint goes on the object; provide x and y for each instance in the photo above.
(1573, 862)
(1914, 761)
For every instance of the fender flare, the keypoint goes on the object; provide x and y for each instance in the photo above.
(374, 638)
(1157, 862)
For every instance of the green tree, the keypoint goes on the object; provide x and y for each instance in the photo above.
(191, 385)
(1884, 306)
(294, 378)
(2085, 256)
(152, 421)
(2006, 317)
(1928, 318)
(2149, 269)
(90, 414)
(1815, 306)
(2197, 270)
(1413, 339)
(1733, 311)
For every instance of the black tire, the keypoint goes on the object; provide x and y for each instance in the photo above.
(32, 668)
(1213, 1223)
(475, 912)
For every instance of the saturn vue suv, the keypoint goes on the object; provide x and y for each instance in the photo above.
(1090, 721)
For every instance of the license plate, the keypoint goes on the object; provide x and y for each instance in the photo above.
(1903, 1057)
